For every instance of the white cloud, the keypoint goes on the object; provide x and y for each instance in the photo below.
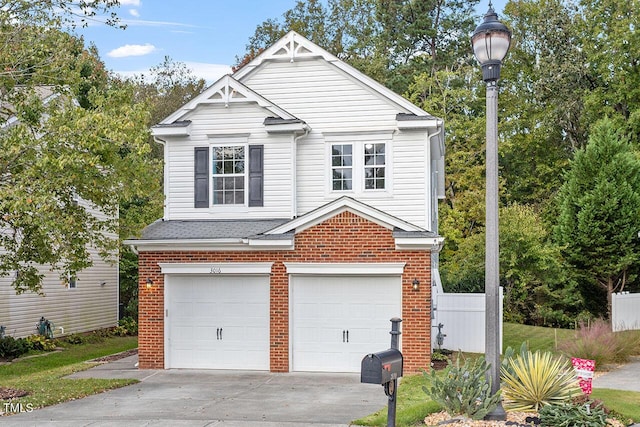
(132, 50)
(134, 12)
(135, 3)
(144, 23)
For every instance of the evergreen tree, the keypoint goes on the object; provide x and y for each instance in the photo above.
(599, 214)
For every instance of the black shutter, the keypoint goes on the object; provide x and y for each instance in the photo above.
(201, 177)
(256, 175)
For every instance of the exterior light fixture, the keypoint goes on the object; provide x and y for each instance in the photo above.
(416, 284)
(149, 282)
(490, 42)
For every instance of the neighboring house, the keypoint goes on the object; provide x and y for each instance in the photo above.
(86, 302)
(300, 217)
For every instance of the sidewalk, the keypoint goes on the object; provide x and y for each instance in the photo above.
(625, 377)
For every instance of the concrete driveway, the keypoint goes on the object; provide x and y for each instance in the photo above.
(212, 398)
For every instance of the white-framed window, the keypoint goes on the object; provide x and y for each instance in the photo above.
(72, 282)
(228, 167)
(375, 164)
(359, 166)
(342, 167)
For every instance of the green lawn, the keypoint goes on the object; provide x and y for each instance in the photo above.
(538, 338)
(43, 376)
(414, 405)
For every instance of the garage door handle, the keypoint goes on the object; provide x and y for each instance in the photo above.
(343, 335)
(220, 333)
(347, 336)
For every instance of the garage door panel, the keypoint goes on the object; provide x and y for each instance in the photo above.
(324, 308)
(217, 322)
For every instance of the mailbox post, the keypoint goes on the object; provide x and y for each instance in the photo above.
(384, 368)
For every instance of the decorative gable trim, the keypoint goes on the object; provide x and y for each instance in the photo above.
(338, 206)
(294, 47)
(225, 91)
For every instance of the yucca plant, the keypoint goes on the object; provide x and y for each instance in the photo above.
(533, 380)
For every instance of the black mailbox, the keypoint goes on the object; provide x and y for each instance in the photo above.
(382, 367)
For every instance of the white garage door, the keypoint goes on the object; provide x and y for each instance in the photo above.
(339, 320)
(217, 322)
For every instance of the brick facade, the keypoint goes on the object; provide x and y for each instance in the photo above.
(344, 238)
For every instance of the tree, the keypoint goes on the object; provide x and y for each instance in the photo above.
(55, 154)
(599, 212)
(537, 289)
(422, 35)
(611, 44)
(543, 82)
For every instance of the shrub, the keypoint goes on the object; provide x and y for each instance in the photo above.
(596, 341)
(41, 343)
(11, 348)
(75, 339)
(463, 390)
(437, 356)
(127, 326)
(533, 380)
(573, 414)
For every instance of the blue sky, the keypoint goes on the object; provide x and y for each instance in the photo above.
(206, 35)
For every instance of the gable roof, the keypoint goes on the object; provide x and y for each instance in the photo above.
(344, 204)
(227, 90)
(294, 46)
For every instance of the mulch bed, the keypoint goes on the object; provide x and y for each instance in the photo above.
(11, 393)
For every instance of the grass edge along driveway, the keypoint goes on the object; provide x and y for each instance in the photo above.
(43, 377)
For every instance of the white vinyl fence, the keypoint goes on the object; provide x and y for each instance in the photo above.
(625, 311)
(462, 316)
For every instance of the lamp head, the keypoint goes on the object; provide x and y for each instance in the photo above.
(491, 40)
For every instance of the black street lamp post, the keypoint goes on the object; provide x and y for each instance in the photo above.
(491, 41)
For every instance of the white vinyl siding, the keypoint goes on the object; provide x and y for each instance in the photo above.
(333, 103)
(90, 306)
(212, 125)
(323, 96)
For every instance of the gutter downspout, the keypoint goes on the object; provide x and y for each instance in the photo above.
(436, 282)
(165, 178)
(434, 182)
(294, 172)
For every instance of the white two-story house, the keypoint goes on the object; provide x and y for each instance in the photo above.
(300, 217)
